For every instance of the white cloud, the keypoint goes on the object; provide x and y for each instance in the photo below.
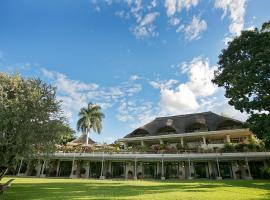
(134, 77)
(144, 15)
(135, 112)
(178, 5)
(170, 6)
(189, 96)
(236, 11)
(194, 30)
(145, 26)
(163, 84)
(187, 4)
(200, 75)
(197, 94)
(179, 100)
(174, 21)
(75, 94)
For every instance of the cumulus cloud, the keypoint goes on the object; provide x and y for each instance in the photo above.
(197, 94)
(236, 12)
(200, 75)
(187, 97)
(194, 30)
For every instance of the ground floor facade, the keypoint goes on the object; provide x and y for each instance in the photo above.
(148, 166)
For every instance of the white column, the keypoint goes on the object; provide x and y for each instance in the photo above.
(182, 142)
(38, 168)
(102, 168)
(19, 170)
(210, 169)
(249, 174)
(57, 167)
(160, 141)
(42, 175)
(228, 139)
(74, 167)
(162, 170)
(189, 169)
(135, 169)
(87, 169)
(219, 176)
(204, 140)
(142, 143)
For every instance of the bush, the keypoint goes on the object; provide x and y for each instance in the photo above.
(229, 147)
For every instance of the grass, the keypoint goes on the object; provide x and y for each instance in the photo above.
(52, 188)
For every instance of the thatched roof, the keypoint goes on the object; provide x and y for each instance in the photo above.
(81, 140)
(207, 121)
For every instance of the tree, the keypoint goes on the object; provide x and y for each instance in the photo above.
(244, 72)
(90, 117)
(30, 119)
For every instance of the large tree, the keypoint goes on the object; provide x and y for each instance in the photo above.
(90, 117)
(244, 72)
(30, 119)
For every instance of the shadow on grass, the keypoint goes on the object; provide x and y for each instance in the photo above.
(97, 190)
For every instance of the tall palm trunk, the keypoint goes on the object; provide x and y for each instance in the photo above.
(87, 136)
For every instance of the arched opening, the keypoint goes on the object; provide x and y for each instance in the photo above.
(166, 130)
(228, 125)
(196, 127)
(139, 133)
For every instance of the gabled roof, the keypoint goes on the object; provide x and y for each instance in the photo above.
(82, 139)
(180, 123)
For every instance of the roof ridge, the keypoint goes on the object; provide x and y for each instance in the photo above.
(189, 114)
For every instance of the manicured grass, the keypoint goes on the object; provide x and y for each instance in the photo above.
(37, 188)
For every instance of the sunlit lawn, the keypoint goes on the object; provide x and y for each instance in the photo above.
(36, 188)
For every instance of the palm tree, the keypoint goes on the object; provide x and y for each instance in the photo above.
(90, 117)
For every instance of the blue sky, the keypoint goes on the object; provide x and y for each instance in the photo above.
(137, 59)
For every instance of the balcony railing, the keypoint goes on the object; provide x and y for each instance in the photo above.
(140, 155)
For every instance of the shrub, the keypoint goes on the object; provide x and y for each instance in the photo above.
(229, 147)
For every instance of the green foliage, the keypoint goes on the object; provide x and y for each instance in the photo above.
(260, 124)
(244, 72)
(266, 172)
(229, 147)
(30, 118)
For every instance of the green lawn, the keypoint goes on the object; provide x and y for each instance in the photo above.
(69, 189)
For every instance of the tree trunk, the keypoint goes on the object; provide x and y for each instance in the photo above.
(87, 136)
